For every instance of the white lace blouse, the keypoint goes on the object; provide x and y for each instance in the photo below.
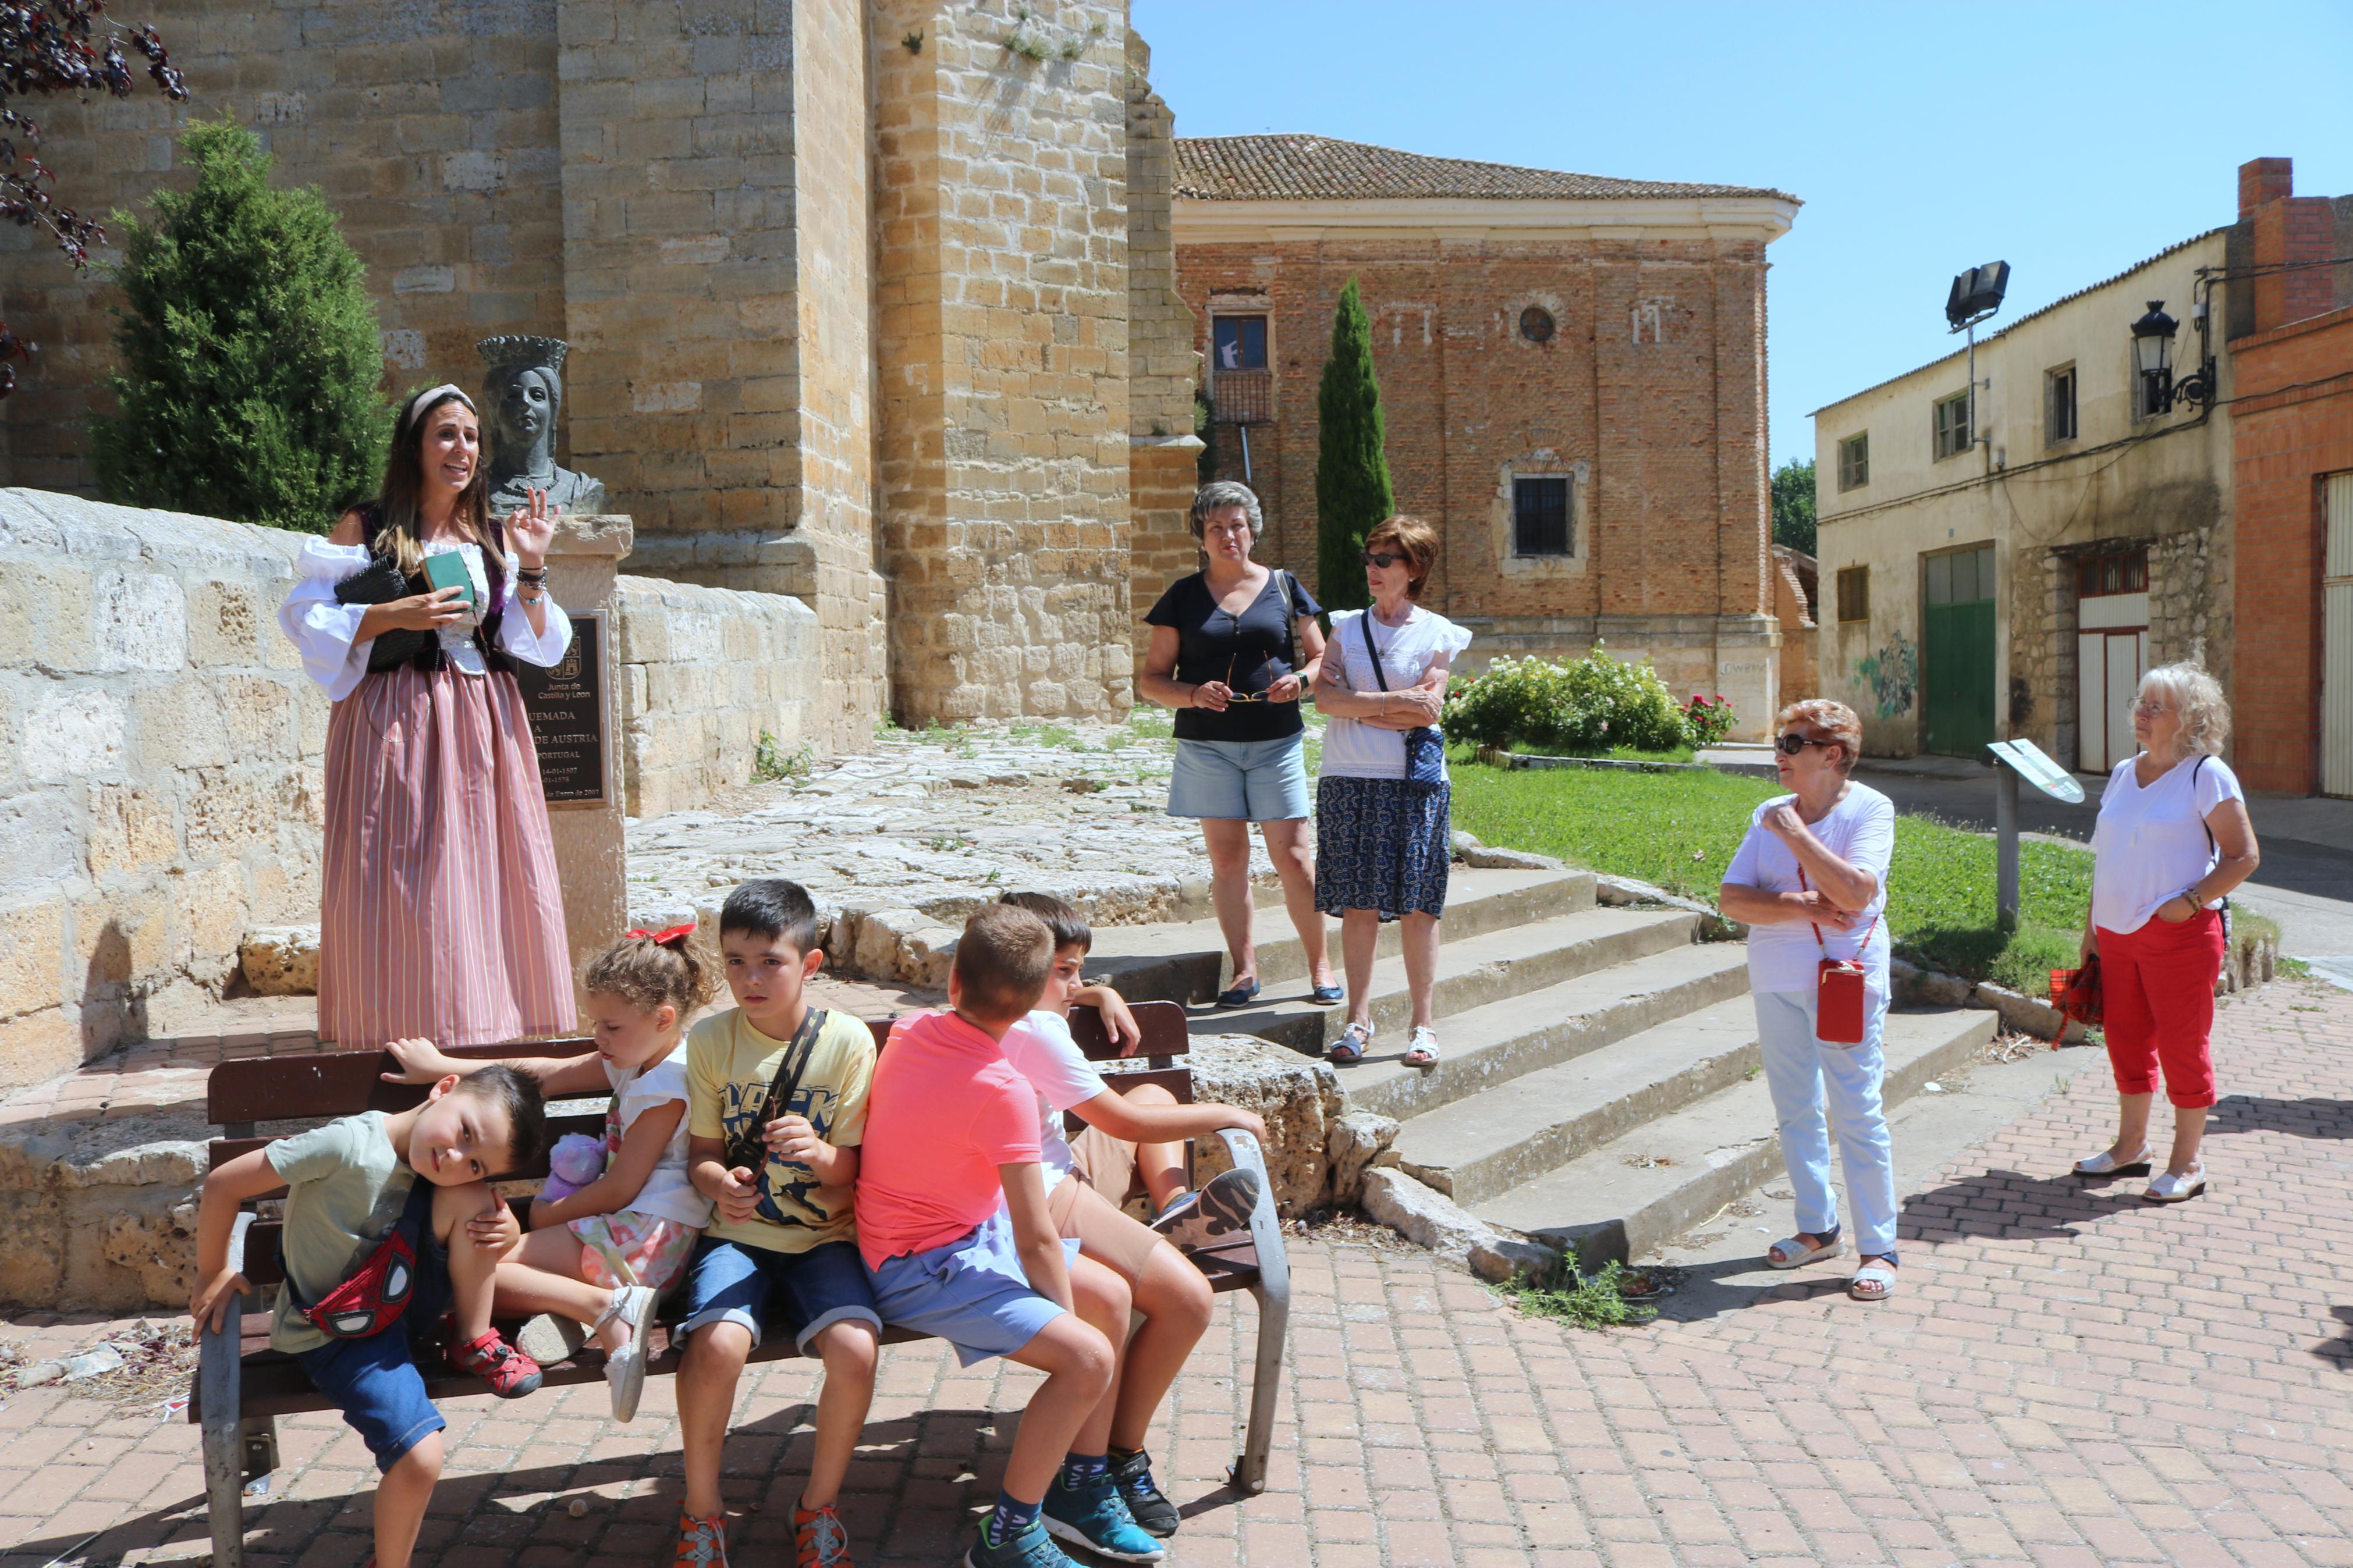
(325, 633)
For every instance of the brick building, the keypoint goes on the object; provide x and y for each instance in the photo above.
(1572, 373)
(2292, 437)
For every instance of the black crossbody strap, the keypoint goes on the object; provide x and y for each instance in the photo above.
(1289, 618)
(1366, 621)
(789, 1068)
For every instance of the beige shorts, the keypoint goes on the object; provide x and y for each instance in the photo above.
(1106, 1164)
(1082, 1212)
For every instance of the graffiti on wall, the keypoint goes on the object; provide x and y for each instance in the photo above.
(1892, 673)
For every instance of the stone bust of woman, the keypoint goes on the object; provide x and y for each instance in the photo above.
(523, 394)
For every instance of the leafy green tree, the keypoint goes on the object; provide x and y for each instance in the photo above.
(1793, 506)
(1351, 471)
(250, 361)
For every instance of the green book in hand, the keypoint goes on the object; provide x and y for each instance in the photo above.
(448, 570)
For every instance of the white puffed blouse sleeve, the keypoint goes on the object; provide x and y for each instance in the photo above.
(324, 632)
(542, 648)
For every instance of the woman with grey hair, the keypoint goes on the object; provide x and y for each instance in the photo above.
(2173, 838)
(1233, 646)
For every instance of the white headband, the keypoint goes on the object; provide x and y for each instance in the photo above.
(430, 393)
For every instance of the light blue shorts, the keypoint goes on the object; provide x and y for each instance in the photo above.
(970, 1293)
(1250, 780)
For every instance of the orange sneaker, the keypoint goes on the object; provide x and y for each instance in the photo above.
(820, 1538)
(509, 1372)
(701, 1542)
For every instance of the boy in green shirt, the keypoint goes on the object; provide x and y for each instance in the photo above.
(782, 1245)
(424, 1173)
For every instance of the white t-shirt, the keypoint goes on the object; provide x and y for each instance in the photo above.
(2150, 844)
(1784, 956)
(668, 1192)
(1041, 1050)
(1354, 751)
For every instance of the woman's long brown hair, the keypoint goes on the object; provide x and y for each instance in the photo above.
(400, 535)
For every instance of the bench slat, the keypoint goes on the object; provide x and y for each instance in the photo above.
(338, 1083)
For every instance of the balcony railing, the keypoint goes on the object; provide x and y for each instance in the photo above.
(1242, 397)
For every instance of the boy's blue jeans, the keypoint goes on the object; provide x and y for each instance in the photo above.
(1807, 1079)
(376, 1382)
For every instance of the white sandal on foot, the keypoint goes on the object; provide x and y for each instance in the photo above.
(2107, 1164)
(625, 1369)
(1421, 1051)
(1875, 1282)
(1791, 1252)
(2168, 1188)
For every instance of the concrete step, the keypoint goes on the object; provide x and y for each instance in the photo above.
(1487, 1048)
(1473, 973)
(1478, 1148)
(1187, 962)
(1658, 1179)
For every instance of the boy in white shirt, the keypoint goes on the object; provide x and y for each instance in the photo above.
(1137, 1134)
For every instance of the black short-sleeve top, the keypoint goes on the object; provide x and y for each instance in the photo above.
(1249, 652)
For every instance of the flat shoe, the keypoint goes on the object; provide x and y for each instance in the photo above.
(1872, 1274)
(1327, 996)
(2101, 1165)
(2168, 1188)
(1240, 996)
(1794, 1254)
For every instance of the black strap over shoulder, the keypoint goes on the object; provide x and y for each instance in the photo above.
(748, 1150)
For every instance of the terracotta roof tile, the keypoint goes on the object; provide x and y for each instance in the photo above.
(1318, 168)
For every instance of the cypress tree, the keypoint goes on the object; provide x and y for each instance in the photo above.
(251, 367)
(1351, 471)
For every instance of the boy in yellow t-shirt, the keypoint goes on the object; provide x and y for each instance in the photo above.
(782, 1246)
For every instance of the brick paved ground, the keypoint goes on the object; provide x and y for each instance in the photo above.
(2067, 1377)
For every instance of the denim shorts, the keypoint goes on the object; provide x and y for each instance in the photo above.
(727, 1282)
(376, 1382)
(971, 1292)
(1250, 781)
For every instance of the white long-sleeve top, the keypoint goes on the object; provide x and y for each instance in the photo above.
(326, 633)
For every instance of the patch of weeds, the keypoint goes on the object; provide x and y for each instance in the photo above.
(1595, 1301)
(2293, 968)
(1152, 721)
(1750, 1075)
(770, 761)
(947, 844)
(1648, 1162)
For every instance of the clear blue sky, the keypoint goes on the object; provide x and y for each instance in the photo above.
(1921, 139)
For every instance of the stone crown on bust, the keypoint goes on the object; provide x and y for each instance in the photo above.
(523, 349)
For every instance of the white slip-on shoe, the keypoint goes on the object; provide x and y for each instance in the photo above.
(2168, 1188)
(625, 1369)
(2106, 1164)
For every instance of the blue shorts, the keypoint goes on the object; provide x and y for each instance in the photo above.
(1250, 780)
(727, 1282)
(376, 1382)
(971, 1292)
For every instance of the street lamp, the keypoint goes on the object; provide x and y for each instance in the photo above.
(2152, 337)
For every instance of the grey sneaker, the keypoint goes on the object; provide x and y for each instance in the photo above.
(1144, 1500)
(1222, 1207)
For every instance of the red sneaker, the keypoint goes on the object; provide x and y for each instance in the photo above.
(820, 1538)
(509, 1372)
(701, 1542)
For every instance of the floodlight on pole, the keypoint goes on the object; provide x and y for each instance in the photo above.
(1976, 294)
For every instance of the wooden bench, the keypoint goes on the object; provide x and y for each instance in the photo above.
(242, 1385)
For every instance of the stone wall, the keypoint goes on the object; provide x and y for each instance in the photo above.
(705, 674)
(161, 758)
(1002, 355)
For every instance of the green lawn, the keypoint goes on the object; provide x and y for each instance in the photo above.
(1679, 830)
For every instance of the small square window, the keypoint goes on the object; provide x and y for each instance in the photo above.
(2058, 405)
(1240, 342)
(1853, 594)
(1952, 425)
(1540, 521)
(1854, 462)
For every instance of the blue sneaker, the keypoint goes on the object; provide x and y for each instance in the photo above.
(1095, 1516)
(1030, 1548)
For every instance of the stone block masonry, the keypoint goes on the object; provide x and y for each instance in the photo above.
(1001, 354)
(705, 674)
(161, 756)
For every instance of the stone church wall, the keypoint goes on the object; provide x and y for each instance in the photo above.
(705, 674)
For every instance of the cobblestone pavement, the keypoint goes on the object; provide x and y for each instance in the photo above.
(2066, 1376)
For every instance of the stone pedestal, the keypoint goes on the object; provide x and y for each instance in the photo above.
(577, 723)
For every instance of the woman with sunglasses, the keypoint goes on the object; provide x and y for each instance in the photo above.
(2172, 839)
(1233, 646)
(1381, 840)
(1809, 880)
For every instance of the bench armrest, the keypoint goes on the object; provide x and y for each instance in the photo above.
(1265, 1225)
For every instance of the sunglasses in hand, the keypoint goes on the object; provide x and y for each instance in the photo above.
(1236, 694)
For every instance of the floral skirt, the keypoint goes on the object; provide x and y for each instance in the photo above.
(632, 1249)
(1381, 844)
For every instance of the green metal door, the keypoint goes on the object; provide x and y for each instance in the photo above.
(1957, 649)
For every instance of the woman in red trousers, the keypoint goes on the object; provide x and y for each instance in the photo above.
(2173, 838)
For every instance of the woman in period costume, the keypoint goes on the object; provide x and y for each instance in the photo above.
(442, 916)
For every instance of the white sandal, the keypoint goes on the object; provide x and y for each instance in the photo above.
(1793, 1254)
(1421, 1051)
(2168, 1188)
(625, 1369)
(2107, 1164)
(1877, 1272)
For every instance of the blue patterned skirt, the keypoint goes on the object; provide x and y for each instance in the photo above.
(1380, 843)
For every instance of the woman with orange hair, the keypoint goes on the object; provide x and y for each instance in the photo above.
(1810, 881)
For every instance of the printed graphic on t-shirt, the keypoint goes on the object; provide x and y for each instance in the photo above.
(745, 1114)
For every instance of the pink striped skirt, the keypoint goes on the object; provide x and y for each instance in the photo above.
(442, 918)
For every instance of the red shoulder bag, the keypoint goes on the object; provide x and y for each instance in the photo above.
(1840, 1008)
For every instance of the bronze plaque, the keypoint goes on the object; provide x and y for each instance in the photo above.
(566, 704)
